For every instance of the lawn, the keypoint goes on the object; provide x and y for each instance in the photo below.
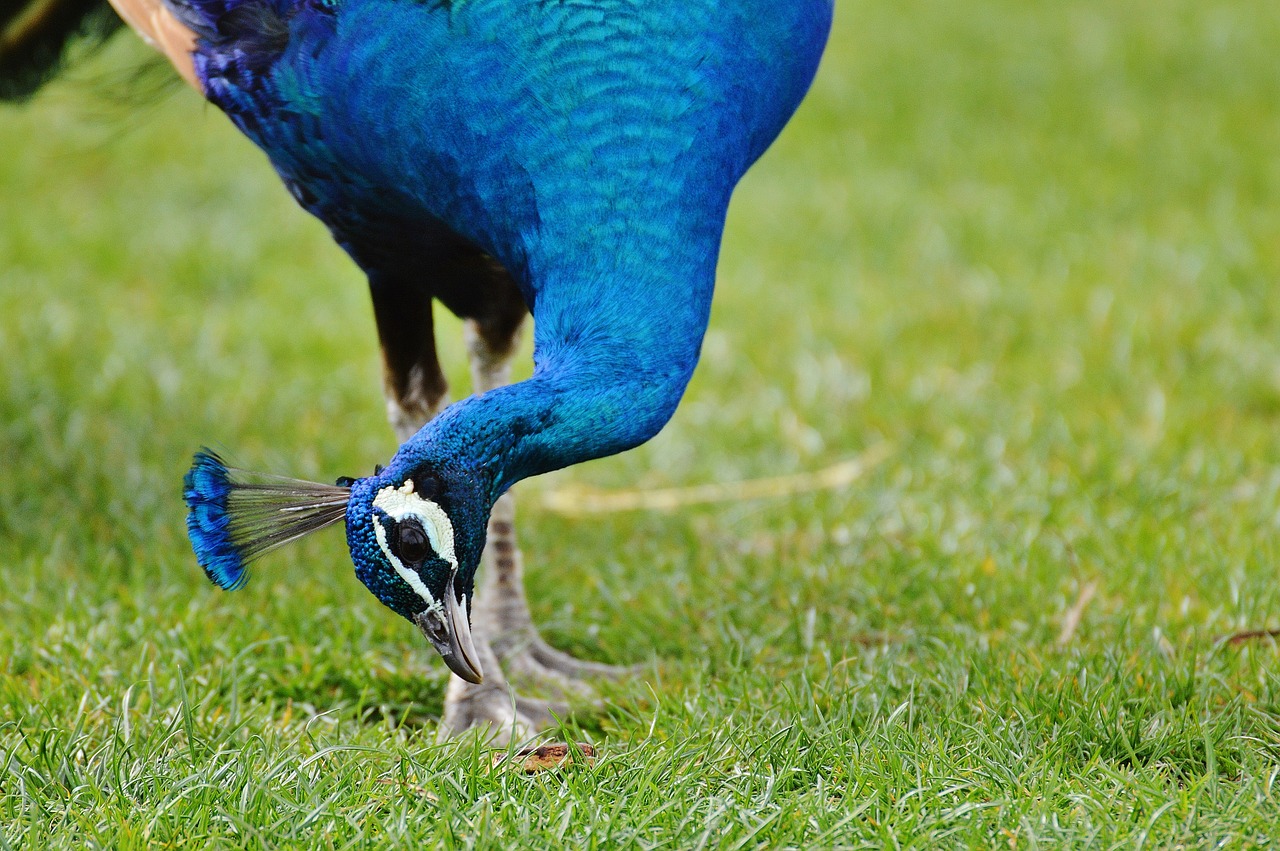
(1021, 257)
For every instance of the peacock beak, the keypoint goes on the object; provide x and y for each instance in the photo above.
(449, 631)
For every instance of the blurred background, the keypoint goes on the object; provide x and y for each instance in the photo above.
(1025, 251)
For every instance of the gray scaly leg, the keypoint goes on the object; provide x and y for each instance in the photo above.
(501, 610)
(416, 391)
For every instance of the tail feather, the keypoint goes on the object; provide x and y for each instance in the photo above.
(36, 37)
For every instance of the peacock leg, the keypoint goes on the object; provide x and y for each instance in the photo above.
(416, 390)
(501, 610)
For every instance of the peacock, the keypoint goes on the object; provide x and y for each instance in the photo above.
(572, 160)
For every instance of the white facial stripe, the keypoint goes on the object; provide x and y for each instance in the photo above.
(410, 577)
(402, 502)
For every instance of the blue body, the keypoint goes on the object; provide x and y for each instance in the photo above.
(590, 146)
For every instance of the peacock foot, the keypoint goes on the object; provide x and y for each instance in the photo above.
(528, 659)
(491, 707)
(513, 652)
(498, 714)
(501, 713)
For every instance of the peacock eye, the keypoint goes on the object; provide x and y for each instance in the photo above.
(411, 541)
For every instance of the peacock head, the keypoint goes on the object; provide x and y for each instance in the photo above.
(416, 531)
(416, 535)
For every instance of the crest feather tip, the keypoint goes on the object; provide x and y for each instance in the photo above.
(234, 516)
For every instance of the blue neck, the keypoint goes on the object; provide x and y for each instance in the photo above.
(608, 373)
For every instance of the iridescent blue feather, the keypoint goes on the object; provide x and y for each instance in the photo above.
(205, 488)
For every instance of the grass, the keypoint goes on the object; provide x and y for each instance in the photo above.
(1032, 247)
